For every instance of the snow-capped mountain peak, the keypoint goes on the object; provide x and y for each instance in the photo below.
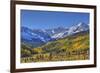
(80, 24)
(45, 35)
(72, 30)
(78, 28)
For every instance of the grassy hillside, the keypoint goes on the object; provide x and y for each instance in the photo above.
(74, 47)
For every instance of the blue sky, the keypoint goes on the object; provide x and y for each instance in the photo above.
(51, 19)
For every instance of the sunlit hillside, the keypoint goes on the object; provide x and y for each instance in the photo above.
(73, 47)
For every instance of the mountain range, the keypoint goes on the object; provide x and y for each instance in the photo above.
(38, 37)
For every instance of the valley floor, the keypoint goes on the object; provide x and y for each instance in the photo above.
(63, 56)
